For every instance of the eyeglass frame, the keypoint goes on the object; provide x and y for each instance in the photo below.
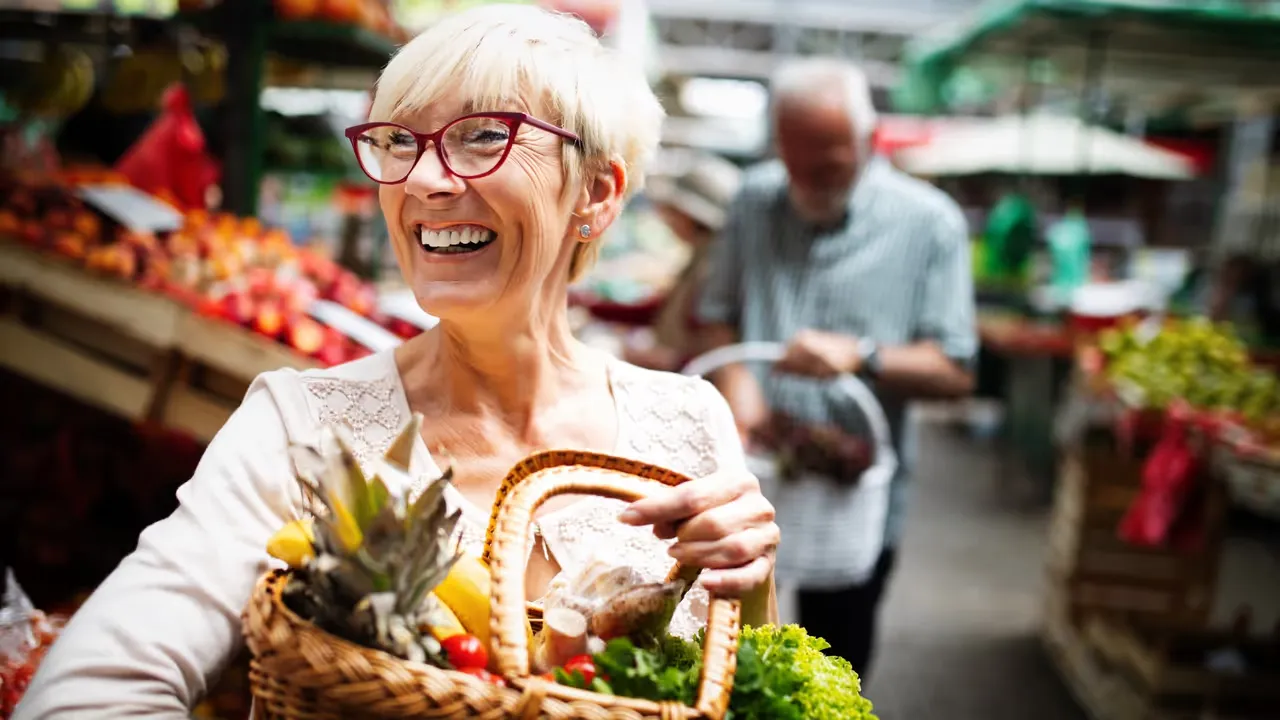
(513, 121)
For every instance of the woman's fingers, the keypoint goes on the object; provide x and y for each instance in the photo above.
(747, 511)
(733, 551)
(687, 500)
(736, 582)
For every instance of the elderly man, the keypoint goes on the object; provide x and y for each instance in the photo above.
(859, 269)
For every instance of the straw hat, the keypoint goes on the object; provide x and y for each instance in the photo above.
(698, 184)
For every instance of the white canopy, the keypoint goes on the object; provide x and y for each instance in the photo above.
(1040, 145)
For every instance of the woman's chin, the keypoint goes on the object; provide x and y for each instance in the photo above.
(454, 300)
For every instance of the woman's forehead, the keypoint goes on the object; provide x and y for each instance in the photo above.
(448, 106)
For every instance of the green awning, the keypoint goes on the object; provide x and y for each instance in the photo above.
(1172, 46)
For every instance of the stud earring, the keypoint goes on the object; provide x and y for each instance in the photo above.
(585, 231)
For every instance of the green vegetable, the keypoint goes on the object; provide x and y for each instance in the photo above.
(642, 673)
(782, 674)
(830, 689)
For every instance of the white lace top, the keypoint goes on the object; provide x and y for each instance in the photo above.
(158, 631)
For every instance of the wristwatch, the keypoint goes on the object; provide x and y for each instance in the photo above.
(869, 356)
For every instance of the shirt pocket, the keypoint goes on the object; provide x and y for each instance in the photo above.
(841, 304)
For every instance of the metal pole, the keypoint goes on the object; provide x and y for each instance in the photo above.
(246, 25)
(1091, 93)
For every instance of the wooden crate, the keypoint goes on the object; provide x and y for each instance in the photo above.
(1107, 692)
(136, 354)
(218, 363)
(1170, 667)
(102, 342)
(1095, 571)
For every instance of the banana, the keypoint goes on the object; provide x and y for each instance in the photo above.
(292, 543)
(465, 591)
(444, 623)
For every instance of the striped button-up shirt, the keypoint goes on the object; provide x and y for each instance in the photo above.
(897, 271)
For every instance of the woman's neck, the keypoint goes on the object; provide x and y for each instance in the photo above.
(504, 369)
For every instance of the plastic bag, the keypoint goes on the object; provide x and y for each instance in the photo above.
(600, 603)
(1161, 514)
(25, 636)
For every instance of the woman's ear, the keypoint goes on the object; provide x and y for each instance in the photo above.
(601, 199)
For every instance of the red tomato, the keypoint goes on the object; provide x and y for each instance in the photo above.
(466, 651)
(485, 675)
(583, 664)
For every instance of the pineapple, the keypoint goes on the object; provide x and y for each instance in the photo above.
(377, 556)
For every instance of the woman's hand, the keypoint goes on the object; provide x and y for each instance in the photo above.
(721, 523)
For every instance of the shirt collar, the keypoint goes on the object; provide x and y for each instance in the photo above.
(863, 192)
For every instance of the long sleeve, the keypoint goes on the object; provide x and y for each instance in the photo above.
(166, 622)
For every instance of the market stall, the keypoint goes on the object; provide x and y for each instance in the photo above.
(1159, 418)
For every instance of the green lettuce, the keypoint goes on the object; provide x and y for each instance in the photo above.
(782, 674)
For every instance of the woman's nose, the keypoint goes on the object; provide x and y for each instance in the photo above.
(430, 178)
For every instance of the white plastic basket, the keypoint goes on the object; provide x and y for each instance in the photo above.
(851, 553)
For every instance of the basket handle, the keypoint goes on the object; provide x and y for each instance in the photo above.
(886, 460)
(581, 473)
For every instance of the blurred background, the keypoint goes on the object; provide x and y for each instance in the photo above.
(179, 211)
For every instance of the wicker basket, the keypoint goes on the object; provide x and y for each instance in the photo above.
(301, 672)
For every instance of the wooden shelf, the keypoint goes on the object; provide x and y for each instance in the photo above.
(133, 312)
(137, 354)
(61, 365)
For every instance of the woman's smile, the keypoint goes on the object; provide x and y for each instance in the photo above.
(454, 242)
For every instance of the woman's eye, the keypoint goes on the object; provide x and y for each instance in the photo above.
(401, 139)
(486, 136)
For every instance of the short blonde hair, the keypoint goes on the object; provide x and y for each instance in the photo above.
(553, 63)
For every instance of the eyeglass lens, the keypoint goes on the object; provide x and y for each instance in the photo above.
(472, 146)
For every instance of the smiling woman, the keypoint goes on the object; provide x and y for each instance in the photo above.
(505, 141)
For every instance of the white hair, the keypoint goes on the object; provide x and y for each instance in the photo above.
(808, 80)
(502, 57)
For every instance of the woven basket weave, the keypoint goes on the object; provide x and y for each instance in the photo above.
(300, 672)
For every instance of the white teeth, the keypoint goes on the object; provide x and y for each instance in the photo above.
(449, 238)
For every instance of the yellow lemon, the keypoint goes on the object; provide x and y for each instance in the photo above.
(292, 543)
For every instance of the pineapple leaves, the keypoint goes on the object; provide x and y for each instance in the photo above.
(357, 489)
(378, 555)
(401, 449)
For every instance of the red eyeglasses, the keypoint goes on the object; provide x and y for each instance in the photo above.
(472, 146)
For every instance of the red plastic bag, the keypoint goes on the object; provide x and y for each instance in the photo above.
(1162, 514)
(170, 158)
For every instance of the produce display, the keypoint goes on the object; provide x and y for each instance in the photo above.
(57, 87)
(137, 82)
(1194, 360)
(220, 265)
(373, 15)
(1193, 374)
(382, 569)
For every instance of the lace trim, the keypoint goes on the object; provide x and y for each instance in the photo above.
(367, 407)
(668, 424)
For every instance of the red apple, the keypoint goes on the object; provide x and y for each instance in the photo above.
(69, 245)
(32, 233)
(237, 307)
(57, 220)
(88, 225)
(269, 320)
(306, 335)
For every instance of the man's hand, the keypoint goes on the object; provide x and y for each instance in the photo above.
(820, 354)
